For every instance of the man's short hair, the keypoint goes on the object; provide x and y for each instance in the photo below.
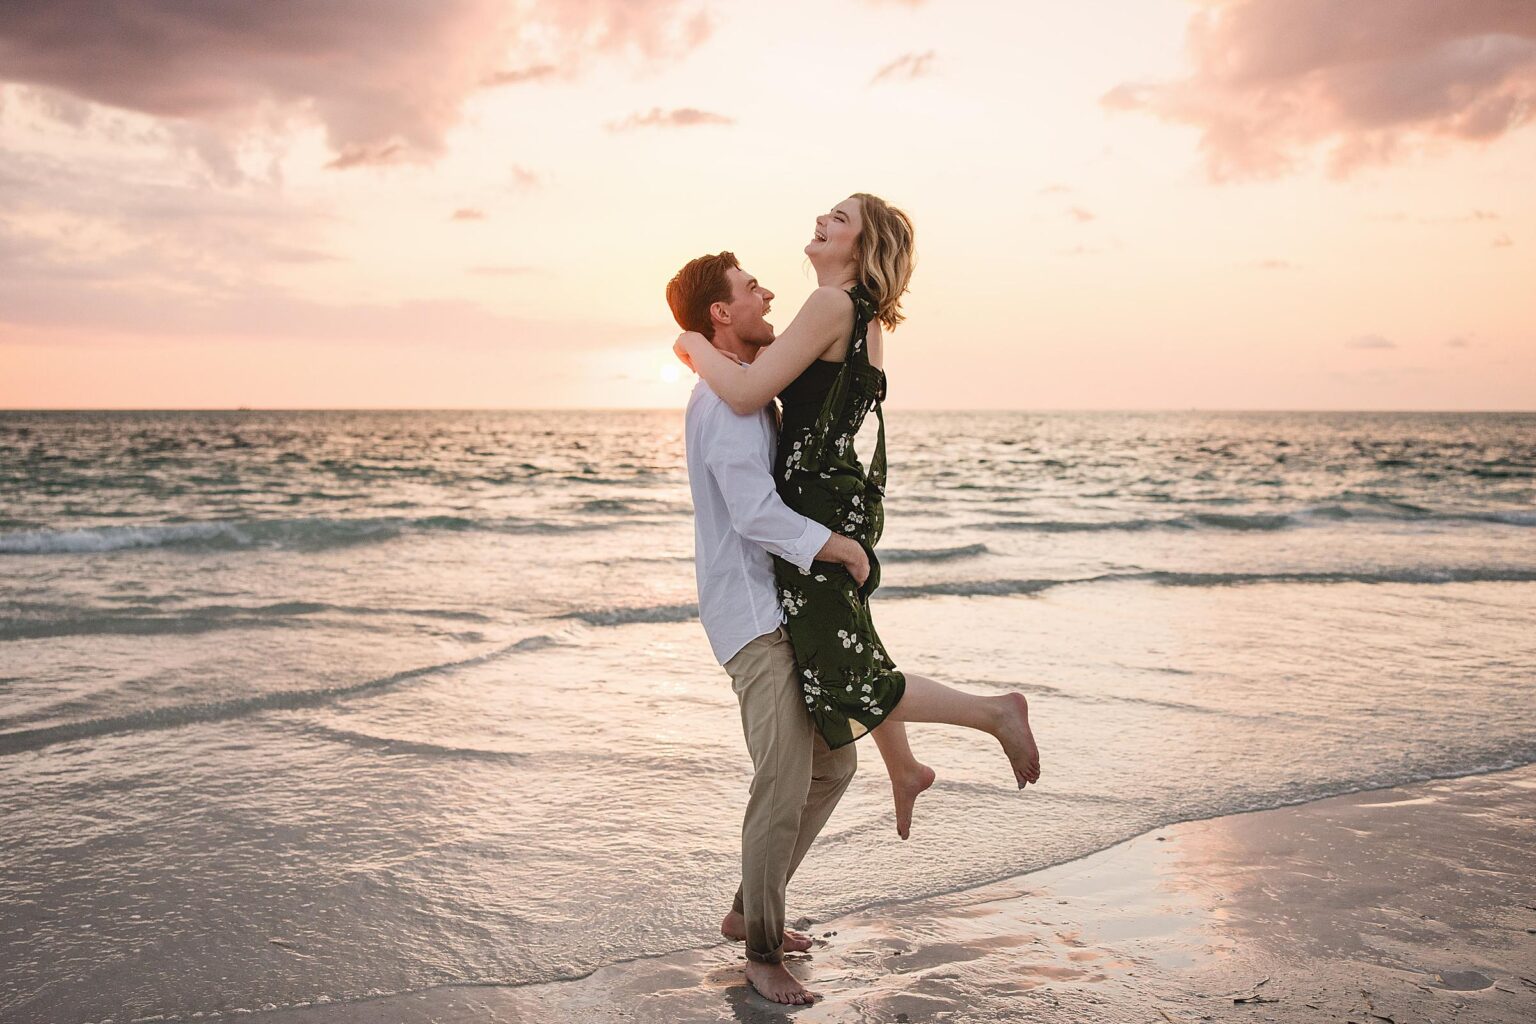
(700, 284)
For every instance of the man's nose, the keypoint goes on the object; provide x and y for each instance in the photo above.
(767, 295)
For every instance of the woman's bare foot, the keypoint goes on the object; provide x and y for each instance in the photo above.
(1018, 741)
(734, 927)
(773, 981)
(905, 790)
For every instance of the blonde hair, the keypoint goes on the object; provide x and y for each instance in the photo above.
(885, 258)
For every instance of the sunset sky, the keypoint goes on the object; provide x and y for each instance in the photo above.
(1276, 204)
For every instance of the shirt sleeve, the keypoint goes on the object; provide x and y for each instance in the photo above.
(741, 465)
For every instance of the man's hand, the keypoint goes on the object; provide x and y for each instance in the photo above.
(680, 349)
(848, 553)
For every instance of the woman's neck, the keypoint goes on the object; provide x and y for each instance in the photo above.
(841, 276)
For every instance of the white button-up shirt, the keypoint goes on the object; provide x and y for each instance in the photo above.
(738, 519)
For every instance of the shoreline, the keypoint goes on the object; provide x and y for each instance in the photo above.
(1355, 906)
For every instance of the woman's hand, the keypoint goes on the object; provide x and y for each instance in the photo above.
(680, 347)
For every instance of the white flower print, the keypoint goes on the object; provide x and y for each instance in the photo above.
(791, 602)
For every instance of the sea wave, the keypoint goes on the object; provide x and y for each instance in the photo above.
(301, 534)
(1382, 511)
(631, 615)
(26, 620)
(634, 614)
(931, 554)
(1011, 587)
(20, 740)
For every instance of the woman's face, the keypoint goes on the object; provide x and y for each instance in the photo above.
(836, 238)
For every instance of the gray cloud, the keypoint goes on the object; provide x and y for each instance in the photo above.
(1370, 341)
(1364, 79)
(905, 68)
(386, 78)
(80, 238)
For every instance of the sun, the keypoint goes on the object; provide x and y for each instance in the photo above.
(670, 373)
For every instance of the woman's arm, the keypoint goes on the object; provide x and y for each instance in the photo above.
(825, 319)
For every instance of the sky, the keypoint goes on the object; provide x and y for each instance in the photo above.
(1119, 204)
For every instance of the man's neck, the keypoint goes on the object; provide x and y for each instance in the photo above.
(734, 347)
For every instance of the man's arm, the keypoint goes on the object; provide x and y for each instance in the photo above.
(736, 458)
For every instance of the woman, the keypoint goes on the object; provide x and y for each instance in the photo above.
(826, 370)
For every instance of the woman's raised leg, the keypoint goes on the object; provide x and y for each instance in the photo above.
(1006, 717)
(909, 776)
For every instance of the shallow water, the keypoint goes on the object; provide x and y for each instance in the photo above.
(315, 705)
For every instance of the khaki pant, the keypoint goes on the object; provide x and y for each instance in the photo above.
(796, 781)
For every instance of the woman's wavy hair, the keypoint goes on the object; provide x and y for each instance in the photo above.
(886, 255)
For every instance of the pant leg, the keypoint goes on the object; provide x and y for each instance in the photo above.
(779, 737)
(831, 771)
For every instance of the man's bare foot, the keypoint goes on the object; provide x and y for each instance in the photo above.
(734, 927)
(1018, 741)
(905, 790)
(773, 981)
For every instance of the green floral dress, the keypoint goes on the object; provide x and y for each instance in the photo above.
(849, 681)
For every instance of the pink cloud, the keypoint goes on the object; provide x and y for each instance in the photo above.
(1367, 80)
(518, 76)
(468, 213)
(386, 78)
(683, 117)
(524, 179)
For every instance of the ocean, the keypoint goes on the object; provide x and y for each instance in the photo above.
(299, 707)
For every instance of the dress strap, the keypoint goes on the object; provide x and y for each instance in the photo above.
(858, 353)
(863, 314)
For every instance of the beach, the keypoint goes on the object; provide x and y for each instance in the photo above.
(375, 710)
(1413, 903)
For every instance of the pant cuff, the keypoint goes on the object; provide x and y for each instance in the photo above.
(776, 957)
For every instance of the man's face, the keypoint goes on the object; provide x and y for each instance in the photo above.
(749, 303)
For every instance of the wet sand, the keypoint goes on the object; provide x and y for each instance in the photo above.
(1416, 903)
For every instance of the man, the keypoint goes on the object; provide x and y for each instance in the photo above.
(739, 521)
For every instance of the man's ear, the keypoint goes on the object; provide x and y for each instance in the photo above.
(720, 313)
